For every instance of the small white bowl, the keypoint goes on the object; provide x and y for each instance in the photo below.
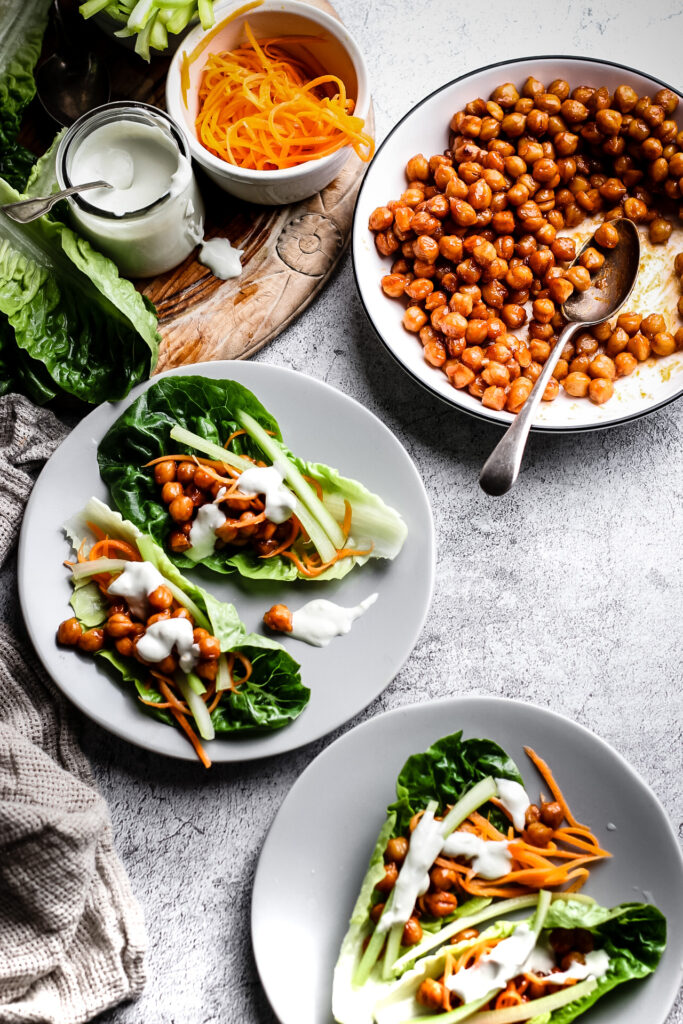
(337, 53)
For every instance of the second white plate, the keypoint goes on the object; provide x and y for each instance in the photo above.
(317, 851)
(320, 424)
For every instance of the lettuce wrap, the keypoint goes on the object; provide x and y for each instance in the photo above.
(273, 695)
(196, 416)
(627, 941)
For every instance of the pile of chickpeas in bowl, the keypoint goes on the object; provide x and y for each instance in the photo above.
(476, 246)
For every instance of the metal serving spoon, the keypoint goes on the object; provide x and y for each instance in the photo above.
(31, 209)
(73, 80)
(610, 288)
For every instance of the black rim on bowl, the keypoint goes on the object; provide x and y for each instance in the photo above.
(544, 428)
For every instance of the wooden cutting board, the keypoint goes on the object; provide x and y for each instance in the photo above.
(289, 251)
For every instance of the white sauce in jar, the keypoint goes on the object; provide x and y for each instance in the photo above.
(268, 481)
(139, 160)
(490, 858)
(514, 799)
(221, 258)
(135, 150)
(319, 622)
(136, 582)
(162, 636)
(209, 518)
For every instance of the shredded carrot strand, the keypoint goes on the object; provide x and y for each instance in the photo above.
(545, 771)
(295, 530)
(103, 549)
(177, 712)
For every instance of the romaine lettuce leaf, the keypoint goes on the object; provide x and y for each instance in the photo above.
(207, 407)
(271, 698)
(20, 41)
(78, 327)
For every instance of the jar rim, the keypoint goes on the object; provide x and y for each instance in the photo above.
(99, 114)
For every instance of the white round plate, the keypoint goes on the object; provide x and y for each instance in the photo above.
(317, 851)
(424, 129)
(320, 424)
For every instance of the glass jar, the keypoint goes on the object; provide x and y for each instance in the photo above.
(154, 217)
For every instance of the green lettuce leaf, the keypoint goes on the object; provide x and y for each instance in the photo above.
(78, 327)
(445, 772)
(23, 26)
(633, 935)
(207, 407)
(271, 698)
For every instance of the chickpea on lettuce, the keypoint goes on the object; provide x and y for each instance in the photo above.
(476, 244)
(188, 655)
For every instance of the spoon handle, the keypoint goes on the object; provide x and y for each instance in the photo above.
(31, 209)
(502, 466)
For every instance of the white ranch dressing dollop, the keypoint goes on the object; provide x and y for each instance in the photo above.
(268, 481)
(209, 518)
(221, 258)
(514, 799)
(137, 581)
(161, 637)
(426, 842)
(515, 955)
(319, 622)
(490, 858)
(140, 160)
(496, 968)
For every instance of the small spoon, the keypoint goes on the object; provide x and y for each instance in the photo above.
(73, 80)
(31, 209)
(610, 287)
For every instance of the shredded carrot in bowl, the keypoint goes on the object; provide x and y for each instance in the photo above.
(263, 109)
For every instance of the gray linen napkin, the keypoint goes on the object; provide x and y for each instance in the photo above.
(72, 937)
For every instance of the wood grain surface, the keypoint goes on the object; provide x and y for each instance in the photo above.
(289, 251)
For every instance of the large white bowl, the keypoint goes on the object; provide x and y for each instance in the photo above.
(424, 129)
(335, 50)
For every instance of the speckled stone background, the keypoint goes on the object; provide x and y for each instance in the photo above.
(568, 592)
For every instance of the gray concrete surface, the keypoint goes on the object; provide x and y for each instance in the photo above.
(567, 593)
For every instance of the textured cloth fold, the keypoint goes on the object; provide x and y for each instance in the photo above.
(72, 937)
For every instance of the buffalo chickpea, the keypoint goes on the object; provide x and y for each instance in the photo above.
(172, 489)
(380, 219)
(119, 625)
(576, 384)
(537, 834)
(602, 366)
(579, 277)
(387, 883)
(396, 849)
(580, 364)
(607, 236)
(165, 472)
(678, 337)
(520, 390)
(591, 259)
(473, 356)
(585, 344)
(600, 390)
(185, 473)
(552, 390)
(417, 168)
(181, 509)
(431, 993)
(442, 879)
(543, 310)
(69, 632)
(617, 342)
(496, 374)
(652, 324)
(460, 375)
(420, 288)
(414, 318)
(440, 904)
(494, 397)
(412, 932)
(552, 814)
(91, 640)
(625, 364)
(178, 542)
(663, 343)
(560, 289)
